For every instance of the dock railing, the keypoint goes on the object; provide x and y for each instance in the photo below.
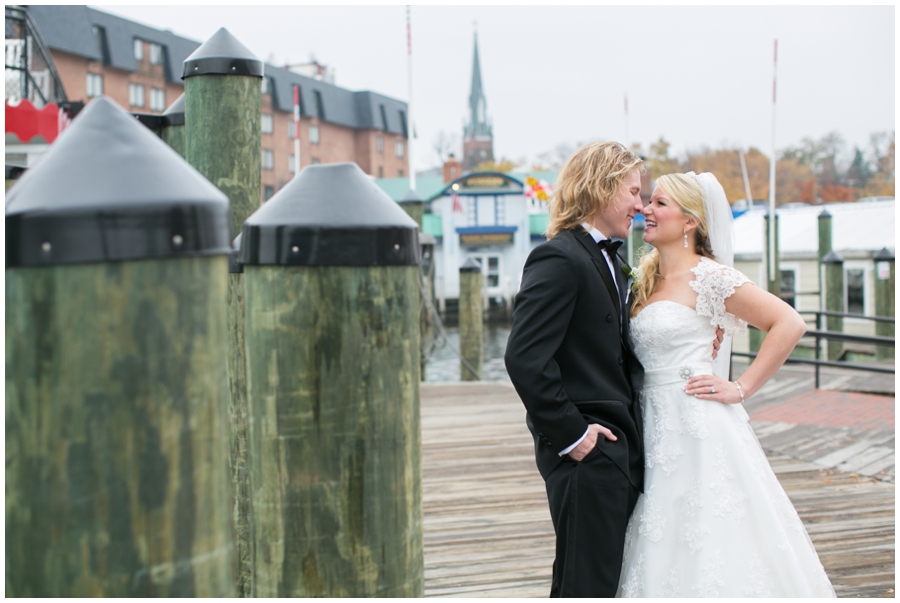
(820, 334)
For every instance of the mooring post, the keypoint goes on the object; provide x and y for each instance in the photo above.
(471, 321)
(824, 248)
(331, 274)
(172, 126)
(413, 205)
(884, 300)
(116, 390)
(636, 240)
(222, 130)
(834, 300)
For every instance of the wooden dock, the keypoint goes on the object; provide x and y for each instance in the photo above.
(488, 531)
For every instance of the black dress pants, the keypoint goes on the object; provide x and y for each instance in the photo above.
(590, 503)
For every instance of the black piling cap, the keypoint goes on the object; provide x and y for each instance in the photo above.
(222, 54)
(411, 197)
(109, 190)
(13, 172)
(833, 257)
(174, 115)
(470, 266)
(330, 215)
(151, 121)
(824, 214)
(884, 255)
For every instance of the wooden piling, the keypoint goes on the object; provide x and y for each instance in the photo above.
(172, 126)
(116, 416)
(884, 300)
(222, 117)
(471, 321)
(331, 273)
(834, 299)
(636, 241)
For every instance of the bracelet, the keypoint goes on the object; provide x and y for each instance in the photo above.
(740, 390)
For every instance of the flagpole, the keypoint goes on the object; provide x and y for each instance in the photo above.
(409, 107)
(296, 130)
(746, 180)
(772, 242)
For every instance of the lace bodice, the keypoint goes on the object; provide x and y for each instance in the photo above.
(666, 333)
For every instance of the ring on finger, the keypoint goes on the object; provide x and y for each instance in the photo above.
(712, 390)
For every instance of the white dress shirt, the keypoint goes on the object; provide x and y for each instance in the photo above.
(597, 236)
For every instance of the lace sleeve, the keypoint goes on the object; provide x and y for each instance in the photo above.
(715, 283)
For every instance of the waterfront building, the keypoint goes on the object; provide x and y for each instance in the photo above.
(139, 67)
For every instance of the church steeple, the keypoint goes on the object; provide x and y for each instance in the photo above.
(477, 134)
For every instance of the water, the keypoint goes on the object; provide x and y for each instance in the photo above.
(444, 363)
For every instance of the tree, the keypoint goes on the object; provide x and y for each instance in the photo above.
(554, 159)
(658, 160)
(504, 165)
(443, 145)
(858, 173)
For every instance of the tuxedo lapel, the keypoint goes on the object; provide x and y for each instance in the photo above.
(584, 237)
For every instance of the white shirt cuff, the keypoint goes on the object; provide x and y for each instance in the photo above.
(570, 448)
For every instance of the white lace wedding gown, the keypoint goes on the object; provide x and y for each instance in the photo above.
(713, 519)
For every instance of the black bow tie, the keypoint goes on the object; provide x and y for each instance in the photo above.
(610, 246)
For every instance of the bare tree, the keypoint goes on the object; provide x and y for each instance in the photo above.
(444, 144)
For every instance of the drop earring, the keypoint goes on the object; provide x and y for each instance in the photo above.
(685, 239)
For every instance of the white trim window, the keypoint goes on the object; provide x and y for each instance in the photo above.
(155, 54)
(267, 124)
(855, 288)
(157, 99)
(314, 135)
(268, 159)
(94, 85)
(398, 149)
(379, 144)
(136, 95)
(138, 49)
(292, 160)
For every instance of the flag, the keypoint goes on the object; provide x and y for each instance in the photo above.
(457, 206)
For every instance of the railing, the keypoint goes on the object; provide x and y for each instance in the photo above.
(29, 69)
(820, 334)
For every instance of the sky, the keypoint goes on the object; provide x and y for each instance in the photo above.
(698, 76)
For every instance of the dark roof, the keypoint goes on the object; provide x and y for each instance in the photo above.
(70, 29)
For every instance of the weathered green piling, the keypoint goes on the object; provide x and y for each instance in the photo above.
(636, 241)
(834, 300)
(824, 234)
(222, 114)
(413, 205)
(172, 126)
(331, 274)
(884, 300)
(471, 321)
(772, 286)
(116, 391)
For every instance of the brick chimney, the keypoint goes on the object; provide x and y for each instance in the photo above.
(452, 169)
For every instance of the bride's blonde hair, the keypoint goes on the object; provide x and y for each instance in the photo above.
(685, 192)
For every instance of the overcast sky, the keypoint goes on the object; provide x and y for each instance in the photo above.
(698, 76)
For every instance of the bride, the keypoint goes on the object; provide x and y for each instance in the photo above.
(713, 519)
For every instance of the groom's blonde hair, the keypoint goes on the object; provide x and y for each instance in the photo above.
(588, 183)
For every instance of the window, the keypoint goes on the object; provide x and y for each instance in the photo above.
(855, 279)
(138, 50)
(136, 95)
(94, 85)
(788, 287)
(268, 160)
(291, 132)
(492, 274)
(379, 143)
(314, 160)
(265, 86)
(380, 172)
(267, 125)
(384, 125)
(157, 99)
(102, 47)
(292, 161)
(399, 173)
(314, 134)
(398, 148)
(320, 107)
(155, 54)
(268, 191)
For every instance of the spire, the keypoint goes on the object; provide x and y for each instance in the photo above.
(478, 123)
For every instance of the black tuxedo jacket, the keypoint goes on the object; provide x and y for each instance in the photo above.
(567, 359)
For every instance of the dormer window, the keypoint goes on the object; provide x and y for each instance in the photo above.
(138, 50)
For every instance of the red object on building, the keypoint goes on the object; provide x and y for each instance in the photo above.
(26, 121)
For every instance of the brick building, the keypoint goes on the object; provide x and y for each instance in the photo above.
(140, 68)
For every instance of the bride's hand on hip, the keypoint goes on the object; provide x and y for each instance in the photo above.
(711, 387)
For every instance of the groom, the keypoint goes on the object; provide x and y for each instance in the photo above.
(571, 362)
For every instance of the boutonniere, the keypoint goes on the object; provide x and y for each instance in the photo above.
(631, 273)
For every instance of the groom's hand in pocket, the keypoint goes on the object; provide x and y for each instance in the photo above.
(590, 441)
